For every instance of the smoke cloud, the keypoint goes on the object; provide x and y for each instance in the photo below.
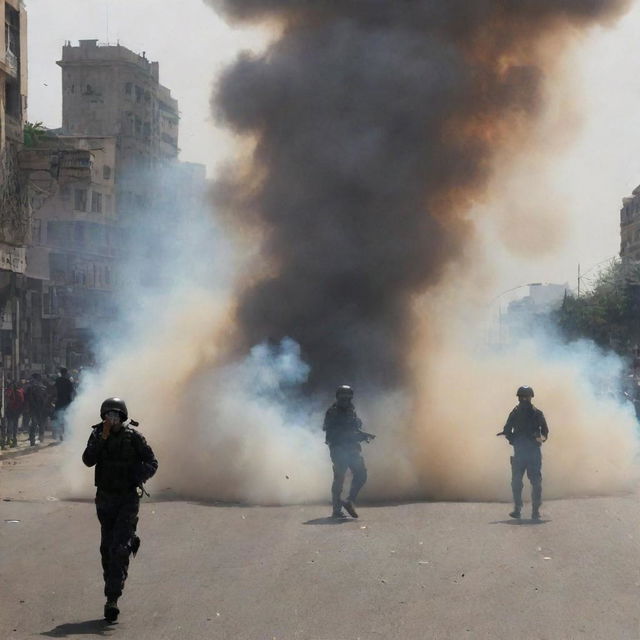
(376, 124)
(376, 129)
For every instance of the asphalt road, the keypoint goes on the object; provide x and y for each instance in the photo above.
(423, 571)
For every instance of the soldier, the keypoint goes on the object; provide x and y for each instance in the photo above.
(123, 461)
(526, 429)
(344, 435)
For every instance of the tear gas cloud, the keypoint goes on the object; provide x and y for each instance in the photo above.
(375, 129)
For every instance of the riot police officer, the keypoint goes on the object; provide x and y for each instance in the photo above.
(526, 429)
(123, 462)
(344, 434)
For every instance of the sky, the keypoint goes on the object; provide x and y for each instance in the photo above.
(590, 175)
(191, 44)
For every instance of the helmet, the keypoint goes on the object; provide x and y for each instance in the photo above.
(344, 390)
(525, 391)
(114, 404)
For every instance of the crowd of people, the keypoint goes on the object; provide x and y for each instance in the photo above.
(34, 405)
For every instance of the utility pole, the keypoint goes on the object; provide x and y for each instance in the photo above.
(578, 279)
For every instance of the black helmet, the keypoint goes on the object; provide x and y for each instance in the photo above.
(526, 392)
(114, 404)
(344, 390)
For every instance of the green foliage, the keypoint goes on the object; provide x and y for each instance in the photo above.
(608, 313)
(33, 133)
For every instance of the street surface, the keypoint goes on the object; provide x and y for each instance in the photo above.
(406, 571)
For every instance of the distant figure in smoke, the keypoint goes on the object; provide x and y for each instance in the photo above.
(123, 461)
(344, 434)
(526, 429)
(35, 396)
(14, 398)
(65, 393)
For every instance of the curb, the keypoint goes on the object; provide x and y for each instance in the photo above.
(8, 455)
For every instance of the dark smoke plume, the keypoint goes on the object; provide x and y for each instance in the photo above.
(376, 123)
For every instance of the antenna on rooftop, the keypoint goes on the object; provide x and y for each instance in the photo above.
(107, 18)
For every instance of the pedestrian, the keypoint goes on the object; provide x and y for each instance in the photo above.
(65, 393)
(526, 429)
(36, 408)
(123, 462)
(14, 399)
(343, 434)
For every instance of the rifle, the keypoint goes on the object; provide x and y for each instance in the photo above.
(363, 436)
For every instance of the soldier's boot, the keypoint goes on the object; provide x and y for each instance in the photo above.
(111, 610)
(14, 443)
(337, 512)
(516, 512)
(535, 512)
(351, 510)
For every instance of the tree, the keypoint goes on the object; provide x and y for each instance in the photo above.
(33, 133)
(608, 313)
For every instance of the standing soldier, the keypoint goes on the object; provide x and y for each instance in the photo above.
(123, 461)
(526, 429)
(344, 434)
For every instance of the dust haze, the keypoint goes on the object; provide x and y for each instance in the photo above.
(377, 133)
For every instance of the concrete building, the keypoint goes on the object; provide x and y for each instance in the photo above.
(630, 227)
(14, 205)
(13, 72)
(14, 195)
(73, 251)
(112, 91)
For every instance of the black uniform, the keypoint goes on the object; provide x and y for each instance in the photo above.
(524, 424)
(123, 462)
(343, 435)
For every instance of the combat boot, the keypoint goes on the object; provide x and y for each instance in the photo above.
(111, 610)
(535, 513)
(351, 510)
(515, 513)
(135, 545)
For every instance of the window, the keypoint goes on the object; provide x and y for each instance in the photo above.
(139, 93)
(106, 172)
(79, 234)
(12, 99)
(80, 200)
(108, 204)
(36, 230)
(128, 87)
(138, 127)
(96, 202)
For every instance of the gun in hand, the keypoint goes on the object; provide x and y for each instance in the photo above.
(363, 436)
(508, 436)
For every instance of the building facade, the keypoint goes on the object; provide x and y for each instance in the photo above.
(73, 253)
(630, 227)
(112, 91)
(15, 220)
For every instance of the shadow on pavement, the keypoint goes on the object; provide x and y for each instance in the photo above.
(328, 520)
(98, 627)
(520, 523)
